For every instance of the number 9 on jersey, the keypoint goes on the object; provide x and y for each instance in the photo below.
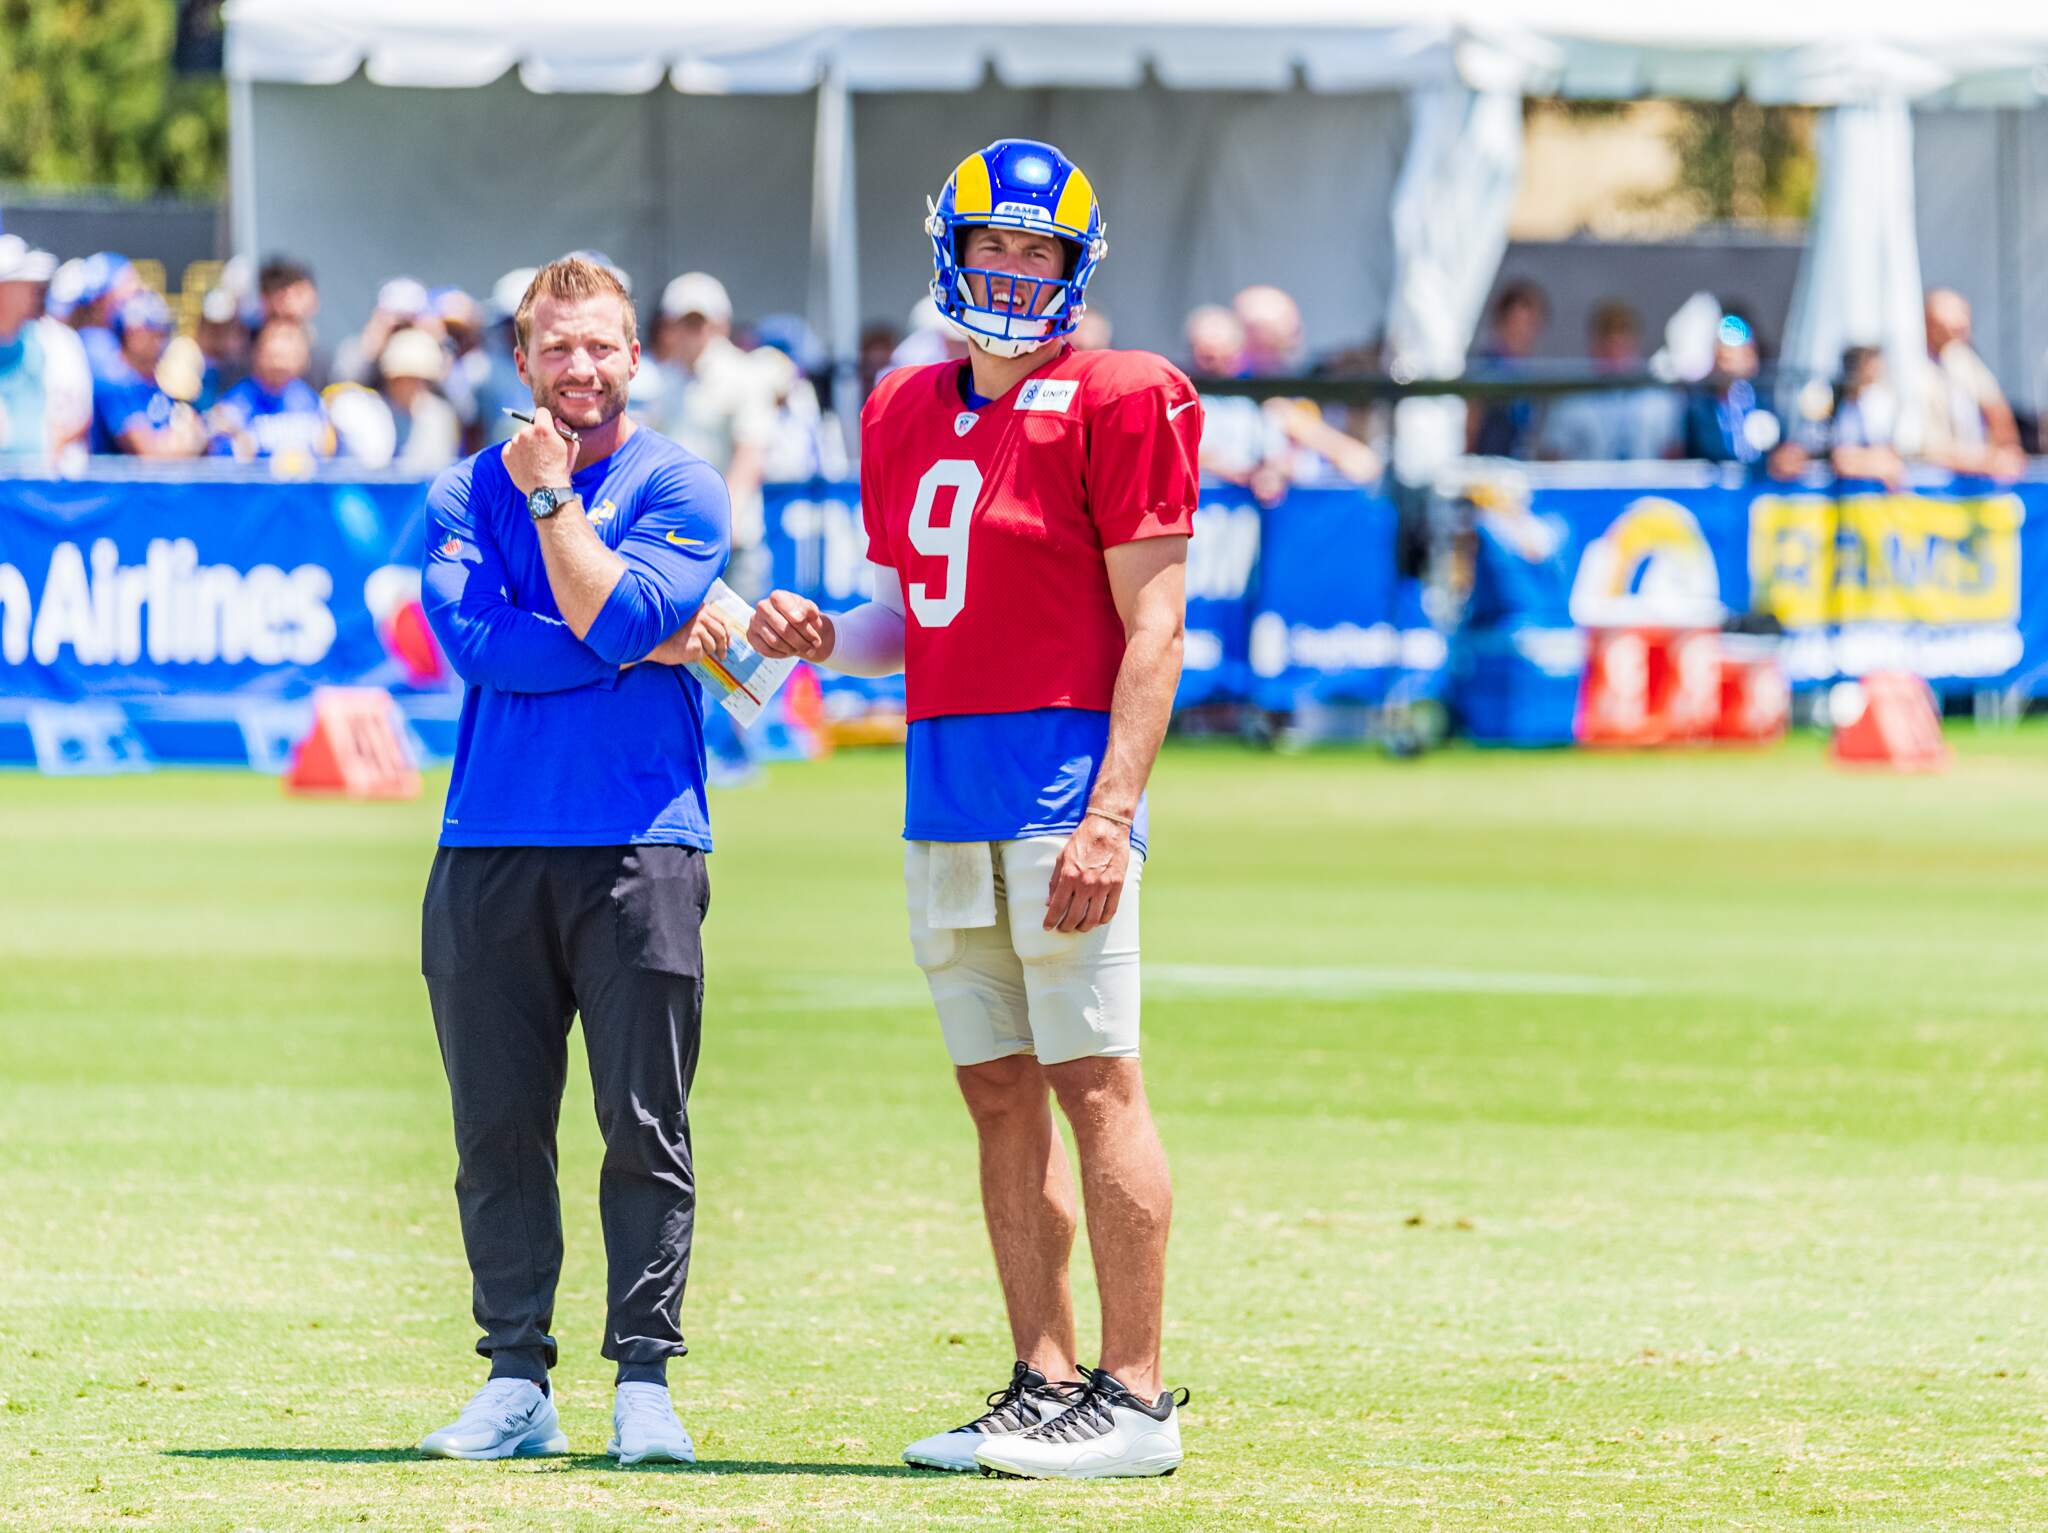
(948, 542)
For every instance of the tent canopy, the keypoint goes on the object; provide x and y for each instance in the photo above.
(1963, 52)
(1307, 142)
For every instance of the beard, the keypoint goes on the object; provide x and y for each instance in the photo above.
(585, 415)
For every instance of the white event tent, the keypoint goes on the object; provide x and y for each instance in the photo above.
(1363, 154)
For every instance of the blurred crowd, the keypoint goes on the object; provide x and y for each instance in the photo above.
(94, 359)
(1708, 399)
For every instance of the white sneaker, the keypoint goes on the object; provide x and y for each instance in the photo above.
(645, 1429)
(1108, 1432)
(1024, 1402)
(507, 1418)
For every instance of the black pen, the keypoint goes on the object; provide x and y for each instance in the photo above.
(518, 415)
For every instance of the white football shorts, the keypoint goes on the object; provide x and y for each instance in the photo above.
(1012, 987)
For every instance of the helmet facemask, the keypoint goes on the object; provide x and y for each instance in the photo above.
(1050, 307)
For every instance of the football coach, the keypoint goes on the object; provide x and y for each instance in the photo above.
(564, 575)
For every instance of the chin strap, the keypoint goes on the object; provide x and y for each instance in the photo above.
(1012, 349)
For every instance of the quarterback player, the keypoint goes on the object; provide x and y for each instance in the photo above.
(1028, 512)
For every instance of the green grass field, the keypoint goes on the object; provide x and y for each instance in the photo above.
(1560, 1142)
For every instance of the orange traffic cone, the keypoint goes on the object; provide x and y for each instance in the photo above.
(1889, 719)
(355, 748)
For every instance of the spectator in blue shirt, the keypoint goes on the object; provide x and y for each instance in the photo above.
(285, 289)
(107, 282)
(131, 413)
(1504, 428)
(224, 343)
(1724, 422)
(274, 413)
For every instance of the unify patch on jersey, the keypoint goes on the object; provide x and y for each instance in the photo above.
(1053, 394)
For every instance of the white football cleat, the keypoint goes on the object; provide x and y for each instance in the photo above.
(1024, 1402)
(507, 1418)
(645, 1429)
(1107, 1433)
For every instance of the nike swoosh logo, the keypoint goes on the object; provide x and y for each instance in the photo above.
(682, 542)
(1173, 410)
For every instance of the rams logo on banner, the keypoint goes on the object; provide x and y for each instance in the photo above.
(1652, 567)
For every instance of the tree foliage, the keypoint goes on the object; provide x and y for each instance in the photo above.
(1739, 162)
(89, 97)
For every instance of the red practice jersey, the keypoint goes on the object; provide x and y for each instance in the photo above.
(995, 520)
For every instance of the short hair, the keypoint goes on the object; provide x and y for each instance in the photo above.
(1518, 293)
(281, 272)
(566, 281)
(282, 326)
(1615, 317)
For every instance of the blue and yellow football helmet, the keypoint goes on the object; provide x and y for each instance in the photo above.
(1016, 183)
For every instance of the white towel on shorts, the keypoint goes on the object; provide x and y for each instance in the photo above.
(963, 885)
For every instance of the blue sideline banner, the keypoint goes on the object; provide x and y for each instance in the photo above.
(1949, 583)
(818, 547)
(194, 615)
(1223, 576)
(1333, 623)
(191, 619)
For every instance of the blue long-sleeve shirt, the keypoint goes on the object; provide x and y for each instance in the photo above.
(558, 745)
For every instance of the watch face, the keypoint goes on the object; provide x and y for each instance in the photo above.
(541, 503)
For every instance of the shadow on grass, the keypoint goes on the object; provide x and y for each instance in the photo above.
(556, 1462)
(774, 1466)
(304, 1455)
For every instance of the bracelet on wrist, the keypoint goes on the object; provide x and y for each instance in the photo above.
(1104, 814)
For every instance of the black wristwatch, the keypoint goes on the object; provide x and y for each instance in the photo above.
(547, 500)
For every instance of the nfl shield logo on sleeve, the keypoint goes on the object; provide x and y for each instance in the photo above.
(964, 422)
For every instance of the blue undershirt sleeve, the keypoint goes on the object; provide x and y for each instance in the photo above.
(490, 641)
(676, 547)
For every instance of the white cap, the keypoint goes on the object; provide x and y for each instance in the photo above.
(925, 318)
(510, 288)
(238, 277)
(696, 292)
(20, 263)
(67, 288)
(599, 258)
(218, 307)
(413, 354)
(403, 295)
